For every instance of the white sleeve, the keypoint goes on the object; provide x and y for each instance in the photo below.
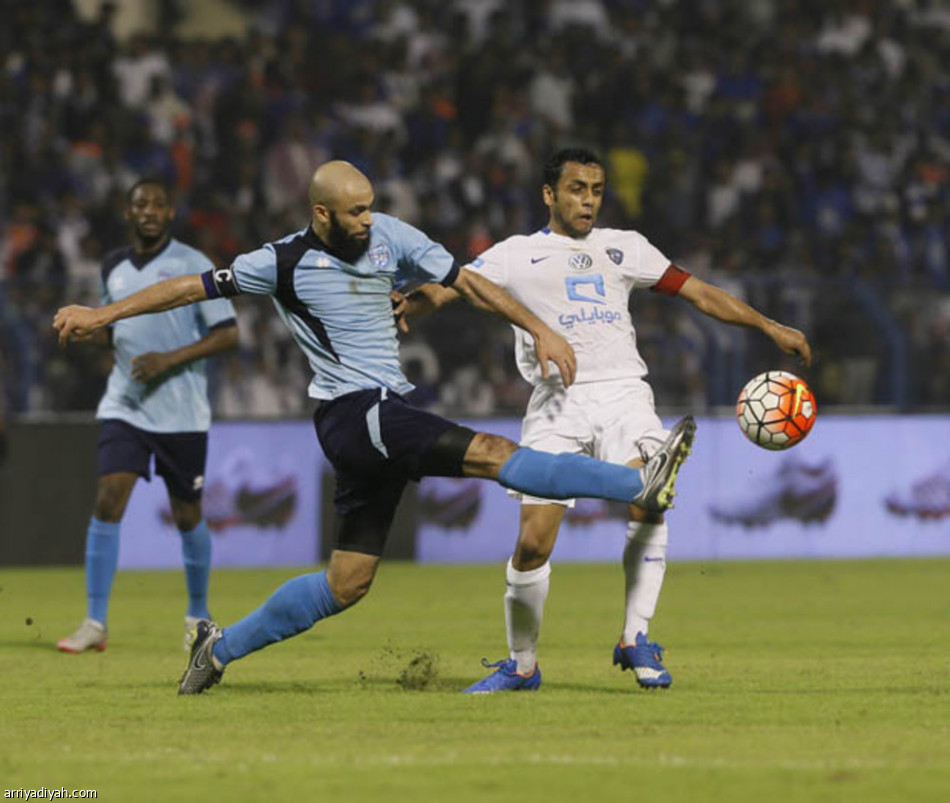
(645, 264)
(492, 264)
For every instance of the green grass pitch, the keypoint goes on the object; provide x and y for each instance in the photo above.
(793, 681)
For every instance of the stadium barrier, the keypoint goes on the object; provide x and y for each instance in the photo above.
(47, 487)
(859, 486)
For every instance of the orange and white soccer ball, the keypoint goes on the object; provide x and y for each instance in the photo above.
(776, 410)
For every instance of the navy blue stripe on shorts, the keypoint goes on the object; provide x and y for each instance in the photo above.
(179, 456)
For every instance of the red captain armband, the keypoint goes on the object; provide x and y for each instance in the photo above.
(671, 281)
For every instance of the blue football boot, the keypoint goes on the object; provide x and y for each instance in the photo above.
(505, 678)
(644, 658)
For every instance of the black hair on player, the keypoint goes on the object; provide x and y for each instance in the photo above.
(555, 165)
(149, 181)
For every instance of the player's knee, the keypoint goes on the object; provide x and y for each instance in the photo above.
(351, 583)
(186, 522)
(537, 535)
(531, 553)
(186, 516)
(110, 505)
(351, 590)
(487, 454)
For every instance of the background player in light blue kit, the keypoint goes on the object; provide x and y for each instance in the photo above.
(331, 283)
(156, 403)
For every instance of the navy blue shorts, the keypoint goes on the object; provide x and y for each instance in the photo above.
(179, 456)
(377, 442)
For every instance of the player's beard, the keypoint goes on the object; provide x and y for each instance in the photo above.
(345, 246)
(565, 225)
(148, 242)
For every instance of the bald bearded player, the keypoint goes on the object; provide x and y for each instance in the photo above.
(331, 284)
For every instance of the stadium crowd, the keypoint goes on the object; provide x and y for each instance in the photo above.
(796, 152)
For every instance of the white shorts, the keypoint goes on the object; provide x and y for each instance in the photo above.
(614, 421)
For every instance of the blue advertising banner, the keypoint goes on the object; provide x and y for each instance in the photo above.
(260, 501)
(858, 486)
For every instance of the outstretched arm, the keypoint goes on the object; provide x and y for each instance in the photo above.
(422, 301)
(486, 295)
(719, 304)
(429, 298)
(76, 322)
(153, 364)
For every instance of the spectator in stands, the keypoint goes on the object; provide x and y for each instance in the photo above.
(794, 132)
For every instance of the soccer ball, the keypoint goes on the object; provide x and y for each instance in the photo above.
(776, 410)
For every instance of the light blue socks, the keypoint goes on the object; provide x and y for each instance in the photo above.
(566, 476)
(293, 608)
(102, 557)
(196, 552)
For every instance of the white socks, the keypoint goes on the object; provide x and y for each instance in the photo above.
(644, 564)
(524, 607)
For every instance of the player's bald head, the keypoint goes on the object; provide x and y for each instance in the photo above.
(337, 184)
(341, 199)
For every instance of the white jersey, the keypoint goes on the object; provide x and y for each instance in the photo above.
(580, 288)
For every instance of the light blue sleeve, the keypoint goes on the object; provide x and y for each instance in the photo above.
(104, 296)
(256, 271)
(215, 311)
(420, 259)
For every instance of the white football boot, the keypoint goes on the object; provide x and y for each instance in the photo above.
(91, 635)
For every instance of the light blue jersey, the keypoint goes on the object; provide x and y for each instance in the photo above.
(340, 313)
(177, 401)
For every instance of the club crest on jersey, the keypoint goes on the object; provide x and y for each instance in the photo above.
(616, 255)
(580, 262)
(379, 256)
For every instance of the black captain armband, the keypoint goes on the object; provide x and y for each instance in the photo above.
(220, 282)
(452, 275)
